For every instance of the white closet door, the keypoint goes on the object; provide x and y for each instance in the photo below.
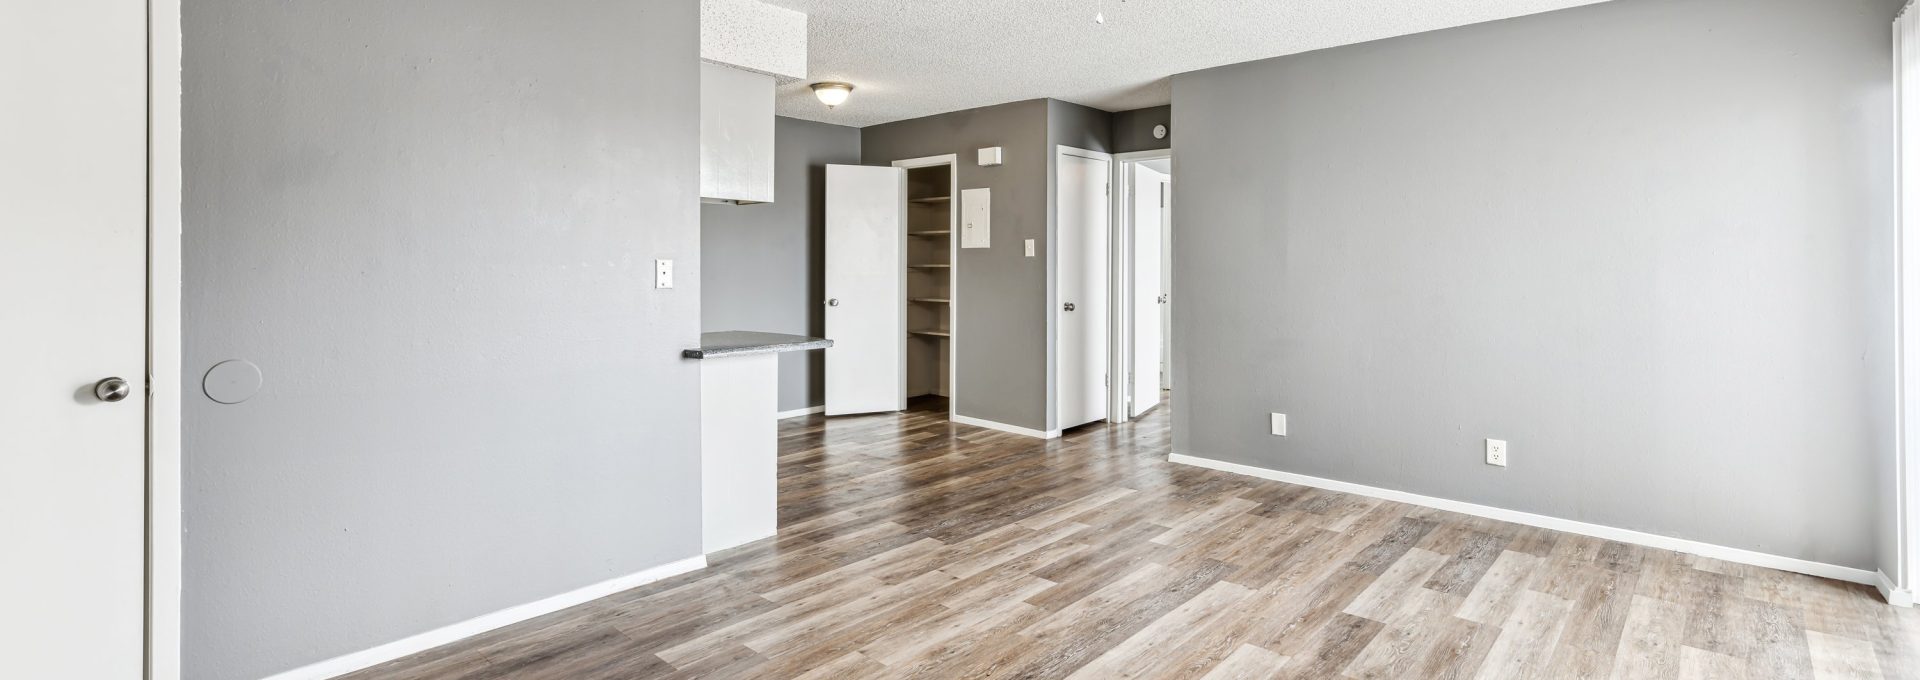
(1148, 204)
(1080, 374)
(866, 289)
(73, 295)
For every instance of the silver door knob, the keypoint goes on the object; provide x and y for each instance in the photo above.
(112, 389)
(833, 302)
(1069, 306)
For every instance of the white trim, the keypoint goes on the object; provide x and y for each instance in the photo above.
(163, 341)
(1894, 595)
(1905, 524)
(1120, 279)
(952, 161)
(367, 658)
(1053, 275)
(810, 410)
(1003, 427)
(1088, 154)
(1737, 555)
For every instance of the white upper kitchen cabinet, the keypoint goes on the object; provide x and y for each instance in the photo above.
(736, 135)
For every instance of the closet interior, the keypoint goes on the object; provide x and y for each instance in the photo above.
(930, 280)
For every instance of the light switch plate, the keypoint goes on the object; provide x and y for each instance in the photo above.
(1279, 424)
(663, 273)
(1029, 247)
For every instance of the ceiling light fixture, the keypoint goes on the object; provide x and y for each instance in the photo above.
(832, 94)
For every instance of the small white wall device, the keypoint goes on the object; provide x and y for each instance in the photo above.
(990, 157)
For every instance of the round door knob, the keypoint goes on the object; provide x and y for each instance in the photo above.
(1069, 306)
(112, 389)
(833, 302)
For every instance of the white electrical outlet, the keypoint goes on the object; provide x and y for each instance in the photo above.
(1497, 452)
(1029, 247)
(1279, 424)
(663, 273)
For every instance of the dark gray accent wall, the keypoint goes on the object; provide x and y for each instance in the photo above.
(1081, 127)
(1133, 130)
(1002, 303)
(763, 264)
(1646, 241)
(432, 225)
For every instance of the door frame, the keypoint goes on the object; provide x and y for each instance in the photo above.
(1061, 151)
(952, 161)
(164, 386)
(1120, 279)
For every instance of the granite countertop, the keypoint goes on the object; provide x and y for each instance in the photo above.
(740, 343)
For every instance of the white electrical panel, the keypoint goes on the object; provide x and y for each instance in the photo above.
(976, 218)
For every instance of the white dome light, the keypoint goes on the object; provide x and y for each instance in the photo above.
(832, 94)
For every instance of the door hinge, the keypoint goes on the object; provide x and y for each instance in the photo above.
(1106, 189)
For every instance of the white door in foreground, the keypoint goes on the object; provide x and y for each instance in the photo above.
(1080, 319)
(73, 245)
(1149, 200)
(866, 289)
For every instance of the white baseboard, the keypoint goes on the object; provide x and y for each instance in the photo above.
(810, 410)
(367, 658)
(1894, 594)
(1719, 552)
(1003, 427)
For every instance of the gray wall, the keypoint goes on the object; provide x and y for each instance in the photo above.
(1647, 241)
(1133, 130)
(432, 225)
(1079, 127)
(1002, 302)
(764, 264)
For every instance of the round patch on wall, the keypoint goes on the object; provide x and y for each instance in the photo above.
(232, 381)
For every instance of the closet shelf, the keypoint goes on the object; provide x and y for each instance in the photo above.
(930, 266)
(932, 199)
(935, 332)
(936, 301)
(931, 232)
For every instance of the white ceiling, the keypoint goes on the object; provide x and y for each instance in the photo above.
(912, 58)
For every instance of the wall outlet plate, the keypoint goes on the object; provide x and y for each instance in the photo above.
(1279, 424)
(1497, 452)
(1029, 247)
(663, 273)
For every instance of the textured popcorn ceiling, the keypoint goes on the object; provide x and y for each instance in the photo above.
(755, 36)
(912, 58)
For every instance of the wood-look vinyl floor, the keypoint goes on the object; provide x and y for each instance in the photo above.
(911, 547)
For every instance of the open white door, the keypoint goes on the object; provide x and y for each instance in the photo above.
(73, 295)
(1149, 203)
(866, 289)
(1080, 372)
